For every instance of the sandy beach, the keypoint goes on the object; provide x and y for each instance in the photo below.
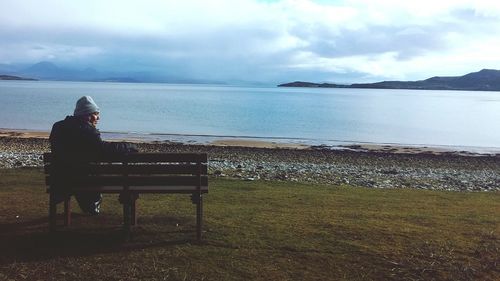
(366, 165)
(24, 134)
(253, 143)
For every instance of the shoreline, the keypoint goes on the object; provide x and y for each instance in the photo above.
(269, 143)
(352, 166)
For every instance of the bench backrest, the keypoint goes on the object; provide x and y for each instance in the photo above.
(174, 172)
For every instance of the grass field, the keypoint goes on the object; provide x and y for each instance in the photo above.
(256, 231)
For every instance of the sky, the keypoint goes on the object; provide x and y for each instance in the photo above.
(343, 41)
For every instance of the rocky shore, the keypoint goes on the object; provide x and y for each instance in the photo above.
(372, 169)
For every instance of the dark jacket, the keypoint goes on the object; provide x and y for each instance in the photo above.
(76, 140)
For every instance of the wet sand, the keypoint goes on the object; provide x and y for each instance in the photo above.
(258, 144)
(363, 147)
(23, 134)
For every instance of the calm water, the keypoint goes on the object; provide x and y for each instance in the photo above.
(314, 116)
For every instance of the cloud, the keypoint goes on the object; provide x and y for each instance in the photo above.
(267, 41)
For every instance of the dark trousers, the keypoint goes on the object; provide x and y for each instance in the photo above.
(89, 202)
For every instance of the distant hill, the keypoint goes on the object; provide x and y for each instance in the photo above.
(313, 85)
(484, 80)
(49, 71)
(12, 77)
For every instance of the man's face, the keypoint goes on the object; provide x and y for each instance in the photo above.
(93, 118)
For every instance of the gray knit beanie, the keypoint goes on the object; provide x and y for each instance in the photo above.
(85, 105)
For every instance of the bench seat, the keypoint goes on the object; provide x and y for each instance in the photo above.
(140, 189)
(129, 176)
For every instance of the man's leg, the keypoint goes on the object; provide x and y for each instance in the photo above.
(89, 202)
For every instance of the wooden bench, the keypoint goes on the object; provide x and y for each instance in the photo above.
(129, 176)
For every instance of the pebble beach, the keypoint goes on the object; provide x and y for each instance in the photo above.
(381, 167)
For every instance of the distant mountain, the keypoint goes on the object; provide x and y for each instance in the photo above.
(12, 77)
(484, 80)
(43, 67)
(49, 71)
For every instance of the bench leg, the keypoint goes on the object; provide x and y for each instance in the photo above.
(129, 202)
(52, 213)
(126, 214)
(129, 211)
(126, 219)
(67, 211)
(133, 209)
(199, 217)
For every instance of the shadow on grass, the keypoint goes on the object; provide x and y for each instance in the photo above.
(30, 240)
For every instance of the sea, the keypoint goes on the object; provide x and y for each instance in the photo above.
(311, 116)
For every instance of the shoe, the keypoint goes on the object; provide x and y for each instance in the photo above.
(89, 203)
(96, 208)
(93, 208)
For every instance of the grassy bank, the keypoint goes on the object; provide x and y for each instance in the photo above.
(256, 231)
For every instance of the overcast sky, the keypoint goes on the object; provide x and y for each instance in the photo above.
(267, 41)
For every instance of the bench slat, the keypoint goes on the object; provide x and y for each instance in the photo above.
(147, 157)
(129, 181)
(167, 157)
(142, 189)
(141, 169)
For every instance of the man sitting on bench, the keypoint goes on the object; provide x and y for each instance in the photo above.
(74, 141)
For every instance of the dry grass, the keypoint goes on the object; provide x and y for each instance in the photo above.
(256, 231)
